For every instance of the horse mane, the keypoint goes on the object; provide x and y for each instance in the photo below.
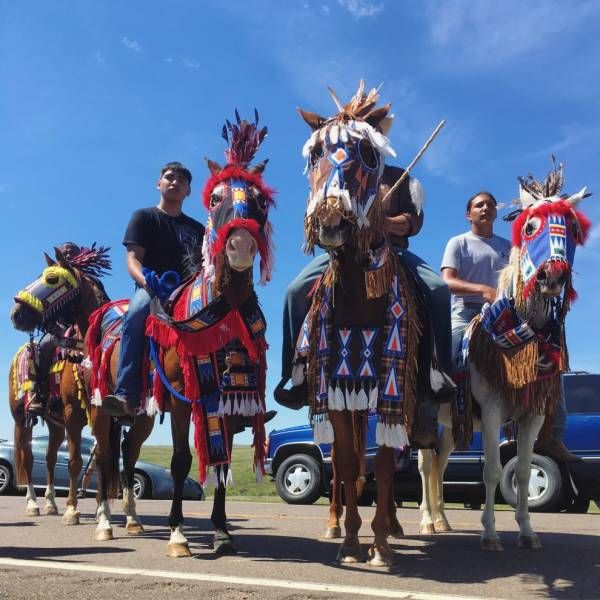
(244, 139)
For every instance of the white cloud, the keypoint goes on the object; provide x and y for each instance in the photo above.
(131, 44)
(573, 134)
(99, 58)
(484, 33)
(325, 9)
(191, 64)
(168, 60)
(2, 188)
(361, 8)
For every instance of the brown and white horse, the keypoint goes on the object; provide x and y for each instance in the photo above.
(519, 381)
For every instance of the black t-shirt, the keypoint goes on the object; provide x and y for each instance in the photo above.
(166, 240)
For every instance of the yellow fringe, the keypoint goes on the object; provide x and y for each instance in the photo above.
(81, 394)
(30, 300)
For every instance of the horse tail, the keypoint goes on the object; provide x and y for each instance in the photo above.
(21, 478)
(359, 428)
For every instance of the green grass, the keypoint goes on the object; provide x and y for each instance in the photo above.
(244, 478)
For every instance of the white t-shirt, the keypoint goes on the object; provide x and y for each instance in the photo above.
(476, 260)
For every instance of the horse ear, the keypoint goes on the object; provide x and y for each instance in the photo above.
(258, 168)
(379, 120)
(313, 120)
(60, 258)
(50, 261)
(213, 167)
(575, 199)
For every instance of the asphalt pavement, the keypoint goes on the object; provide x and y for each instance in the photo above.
(281, 555)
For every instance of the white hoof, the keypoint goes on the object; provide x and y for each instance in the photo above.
(531, 542)
(178, 550)
(32, 511)
(426, 529)
(103, 534)
(50, 509)
(333, 533)
(491, 544)
(442, 526)
(71, 517)
(134, 528)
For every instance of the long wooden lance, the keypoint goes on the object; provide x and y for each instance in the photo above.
(415, 160)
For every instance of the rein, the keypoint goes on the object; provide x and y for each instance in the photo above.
(163, 375)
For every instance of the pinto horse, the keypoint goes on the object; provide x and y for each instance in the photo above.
(516, 354)
(213, 352)
(68, 290)
(357, 349)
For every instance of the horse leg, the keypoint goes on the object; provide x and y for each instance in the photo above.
(131, 446)
(396, 529)
(425, 467)
(348, 463)
(440, 462)
(181, 462)
(222, 539)
(56, 435)
(380, 553)
(107, 437)
(529, 427)
(24, 466)
(491, 419)
(335, 506)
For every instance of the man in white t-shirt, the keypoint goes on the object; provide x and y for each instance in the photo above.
(471, 264)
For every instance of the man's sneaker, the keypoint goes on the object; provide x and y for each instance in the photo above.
(556, 448)
(117, 406)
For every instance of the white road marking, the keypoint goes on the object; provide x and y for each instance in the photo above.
(228, 579)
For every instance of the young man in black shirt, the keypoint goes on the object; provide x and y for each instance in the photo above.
(157, 238)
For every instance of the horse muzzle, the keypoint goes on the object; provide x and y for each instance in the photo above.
(241, 248)
(24, 317)
(331, 238)
(552, 277)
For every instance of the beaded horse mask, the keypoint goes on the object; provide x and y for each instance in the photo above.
(546, 232)
(345, 160)
(238, 203)
(55, 292)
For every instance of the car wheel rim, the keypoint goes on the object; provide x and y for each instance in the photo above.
(297, 479)
(538, 483)
(137, 488)
(3, 479)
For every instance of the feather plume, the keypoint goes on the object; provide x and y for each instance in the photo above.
(92, 261)
(244, 139)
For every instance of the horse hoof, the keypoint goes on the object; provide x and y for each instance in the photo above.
(103, 535)
(379, 559)
(333, 533)
(33, 512)
(178, 551)
(442, 526)
(134, 528)
(427, 529)
(531, 542)
(70, 518)
(50, 510)
(491, 544)
(222, 547)
(397, 532)
(348, 555)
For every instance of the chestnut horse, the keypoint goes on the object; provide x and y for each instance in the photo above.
(358, 345)
(516, 353)
(68, 290)
(213, 347)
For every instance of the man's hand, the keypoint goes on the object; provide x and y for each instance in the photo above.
(399, 225)
(488, 293)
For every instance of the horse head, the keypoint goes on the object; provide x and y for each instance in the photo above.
(238, 203)
(546, 233)
(345, 160)
(64, 287)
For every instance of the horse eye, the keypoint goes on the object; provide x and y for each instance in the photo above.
(51, 279)
(532, 226)
(261, 201)
(367, 154)
(215, 199)
(315, 155)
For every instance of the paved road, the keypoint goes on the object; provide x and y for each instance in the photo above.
(281, 556)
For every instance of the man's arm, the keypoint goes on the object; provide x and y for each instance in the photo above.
(135, 255)
(460, 287)
(404, 224)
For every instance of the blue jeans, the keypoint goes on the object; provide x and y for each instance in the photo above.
(131, 353)
(296, 305)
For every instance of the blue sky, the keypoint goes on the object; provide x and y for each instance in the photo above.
(97, 96)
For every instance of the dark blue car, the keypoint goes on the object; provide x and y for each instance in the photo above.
(302, 469)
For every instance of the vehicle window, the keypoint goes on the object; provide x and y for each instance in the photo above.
(39, 442)
(582, 393)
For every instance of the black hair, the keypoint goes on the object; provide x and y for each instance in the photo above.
(179, 168)
(483, 193)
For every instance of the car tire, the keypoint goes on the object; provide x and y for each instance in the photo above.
(141, 486)
(366, 498)
(298, 479)
(545, 480)
(5, 478)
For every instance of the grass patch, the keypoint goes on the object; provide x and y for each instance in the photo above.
(244, 478)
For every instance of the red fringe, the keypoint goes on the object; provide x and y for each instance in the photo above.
(158, 388)
(95, 323)
(206, 341)
(560, 207)
(237, 172)
(104, 369)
